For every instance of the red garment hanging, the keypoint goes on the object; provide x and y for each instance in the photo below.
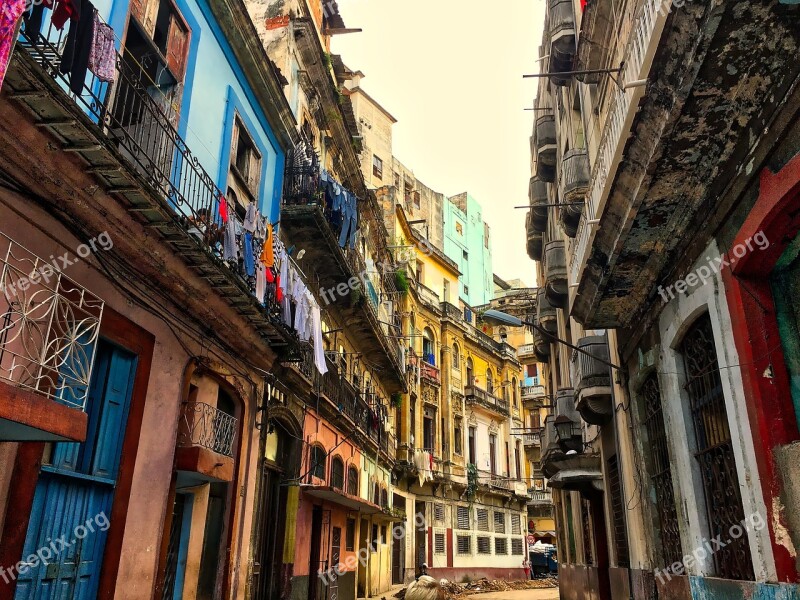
(223, 208)
(65, 11)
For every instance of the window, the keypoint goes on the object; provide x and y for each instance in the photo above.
(713, 450)
(459, 228)
(350, 535)
(376, 494)
(463, 544)
(384, 539)
(462, 517)
(515, 391)
(484, 545)
(438, 513)
(517, 547)
(416, 200)
(482, 519)
(376, 540)
(384, 498)
(499, 522)
(337, 473)
(457, 434)
(428, 434)
(446, 290)
(493, 454)
(439, 543)
(465, 255)
(516, 525)
(377, 167)
(428, 347)
(318, 457)
(517, 464)
(352, 481)
(489, 381)
(472, 445)
(470, 375)
(500, 545)
(456, 357)
(245, 159)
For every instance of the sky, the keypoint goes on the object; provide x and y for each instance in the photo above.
(451, 73)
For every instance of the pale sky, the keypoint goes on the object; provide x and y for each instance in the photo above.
(451, 75)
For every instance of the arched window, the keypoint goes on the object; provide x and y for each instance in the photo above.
(352, 481)
(337, 473)
(456, 357)
(470, 374)
(428, 347)
(384, 498)
(318, 456)
(489, 381)
(376, 494)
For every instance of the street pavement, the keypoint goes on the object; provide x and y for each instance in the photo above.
(547, 594)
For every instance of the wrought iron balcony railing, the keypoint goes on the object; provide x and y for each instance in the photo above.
(204, 425)
(474, 395)
(49, 327)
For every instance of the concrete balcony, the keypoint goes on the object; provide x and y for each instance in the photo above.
(546, 147)
(562, 432)
(537, 195)
(532, 439)
(533, 393)
(592, 378)
(476, 396)
(526, 354)
(48, 337)
(555, 268)
(561, 30)
(541, 345)
(427, 296)
(534, 238)
(205, 444)
(539, 497)
(573, 182)
(430, 374)
(545, 312)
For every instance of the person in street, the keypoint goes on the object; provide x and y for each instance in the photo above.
(526, 565)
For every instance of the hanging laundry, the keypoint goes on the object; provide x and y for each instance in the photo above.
(261, 283)
(349, 220)
(223, 208)
(103, 56)
(316, 340)
(249, 257)
(251, 218)
(9, 19)
(75, 59)
(230, 248)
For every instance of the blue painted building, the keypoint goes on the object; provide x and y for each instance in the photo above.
(467, 241)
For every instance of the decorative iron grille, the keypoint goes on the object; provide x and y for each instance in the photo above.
(48, 327)
(714, 451)
(206, 426)
(661, 473)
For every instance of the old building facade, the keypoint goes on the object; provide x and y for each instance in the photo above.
(654, 200)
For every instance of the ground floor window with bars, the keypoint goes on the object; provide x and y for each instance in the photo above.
(499, 522)
(515, 525)
(438, 513)
(500, 545)
(439, 543)
(484, 545)
(618, 513)
(713, 450)
(517, 547)
(660, 471)
(482, 519)
(463, 544)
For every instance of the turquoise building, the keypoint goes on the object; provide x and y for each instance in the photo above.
(467, 241)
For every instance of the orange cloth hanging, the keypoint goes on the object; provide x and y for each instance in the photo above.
(267, 253)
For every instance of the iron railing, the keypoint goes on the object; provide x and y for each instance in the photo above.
(49, 326)
(474, 394)
(204, 425)
(590, 367)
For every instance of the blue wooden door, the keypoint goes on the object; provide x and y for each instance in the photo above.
(72, 504)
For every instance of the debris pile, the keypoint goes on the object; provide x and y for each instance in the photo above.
(460, 591)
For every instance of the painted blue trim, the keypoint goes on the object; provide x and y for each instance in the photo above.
(183, 546)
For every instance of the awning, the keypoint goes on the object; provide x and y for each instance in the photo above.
(336, 496)
(541, 534)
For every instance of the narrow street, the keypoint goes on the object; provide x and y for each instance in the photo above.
(330, 299)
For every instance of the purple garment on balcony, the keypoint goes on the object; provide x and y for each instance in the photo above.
(9, 17)
(102, 58)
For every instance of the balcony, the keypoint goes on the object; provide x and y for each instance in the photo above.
(546, 148)
(561, 30)
(532, 439)
(205, 444)
(526, 354)
(538, 497)
(541, 346)
(534, 239)
(555, 268)
(430, 373)
(476, 396)
(537, 195)
(562, 433)
(309, 222)
(48, 337)
(593, 396)
(427, 296)
(573, 183)
(531, 393)
(545, 312)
